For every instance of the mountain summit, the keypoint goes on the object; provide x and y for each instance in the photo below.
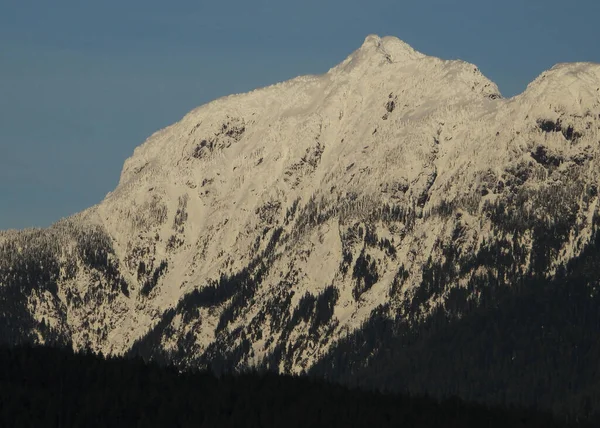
(264, 229)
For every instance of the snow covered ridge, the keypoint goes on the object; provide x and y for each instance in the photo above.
(263, 227)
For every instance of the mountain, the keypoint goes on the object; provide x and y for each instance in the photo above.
(396, 206)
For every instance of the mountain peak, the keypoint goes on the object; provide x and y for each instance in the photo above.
(376, 50)
(372, 39)
(392, 48)
(573, 87)
(584, 74)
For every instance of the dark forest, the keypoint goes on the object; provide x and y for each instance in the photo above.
(52, 387)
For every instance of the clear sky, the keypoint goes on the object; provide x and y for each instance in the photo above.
(82, 83)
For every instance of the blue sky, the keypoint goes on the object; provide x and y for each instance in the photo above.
(82, 83)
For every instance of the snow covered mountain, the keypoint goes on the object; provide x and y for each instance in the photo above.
(263, 228)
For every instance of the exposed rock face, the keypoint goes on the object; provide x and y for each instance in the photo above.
(264, 227)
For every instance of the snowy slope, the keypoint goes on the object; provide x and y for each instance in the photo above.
(264, 226)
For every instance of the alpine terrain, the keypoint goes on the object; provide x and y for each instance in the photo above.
(394, 222)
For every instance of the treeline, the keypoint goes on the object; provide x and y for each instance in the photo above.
(51, 387)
